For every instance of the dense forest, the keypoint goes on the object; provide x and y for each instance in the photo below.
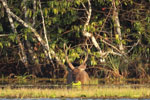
(114, 33)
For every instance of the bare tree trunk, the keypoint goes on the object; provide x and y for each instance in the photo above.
(34, 10)
(87, 34)
(35, 67)
(45, 36)
(30, 54)
(45, 31)
(23, 56)
(25, 10)
(117, 25)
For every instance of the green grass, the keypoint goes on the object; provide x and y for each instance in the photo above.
(87, 92)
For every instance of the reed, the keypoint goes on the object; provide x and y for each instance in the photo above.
(85, 92)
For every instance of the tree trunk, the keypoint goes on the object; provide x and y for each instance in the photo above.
(117, 26)
(34, 10)
(45, 31)
(23, 56)
(87, 34)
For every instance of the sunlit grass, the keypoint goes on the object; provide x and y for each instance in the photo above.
(88, 92)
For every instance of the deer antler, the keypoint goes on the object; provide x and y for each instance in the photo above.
(83, 65)
(85, 59)
(86, 54)
(67, 59)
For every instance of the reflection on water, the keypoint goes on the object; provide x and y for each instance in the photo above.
(45, 81)
(72, 99)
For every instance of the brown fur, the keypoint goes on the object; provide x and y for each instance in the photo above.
(77, 73)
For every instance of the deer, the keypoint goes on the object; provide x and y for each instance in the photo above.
(76, 74)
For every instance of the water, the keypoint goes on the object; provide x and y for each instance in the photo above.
(73, 99)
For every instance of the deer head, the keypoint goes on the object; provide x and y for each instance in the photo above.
(77, 73)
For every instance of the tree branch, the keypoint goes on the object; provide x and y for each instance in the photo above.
(87, 34)
(45, 31)
(117, 25)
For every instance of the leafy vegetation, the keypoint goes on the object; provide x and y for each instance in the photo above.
(116, 32)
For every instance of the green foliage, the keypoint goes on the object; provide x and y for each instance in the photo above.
(12, 37)
(23, 78)
(138, 26)
(73, 55)
(1, 45)
(29, 13)
(114, 63)
(6, 43)
(93, 61)
(117, 2)
(1, 28)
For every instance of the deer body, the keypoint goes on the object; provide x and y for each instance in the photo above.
(77, 73)
(81, 76)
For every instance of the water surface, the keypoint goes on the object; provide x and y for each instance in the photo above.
(72, 99)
